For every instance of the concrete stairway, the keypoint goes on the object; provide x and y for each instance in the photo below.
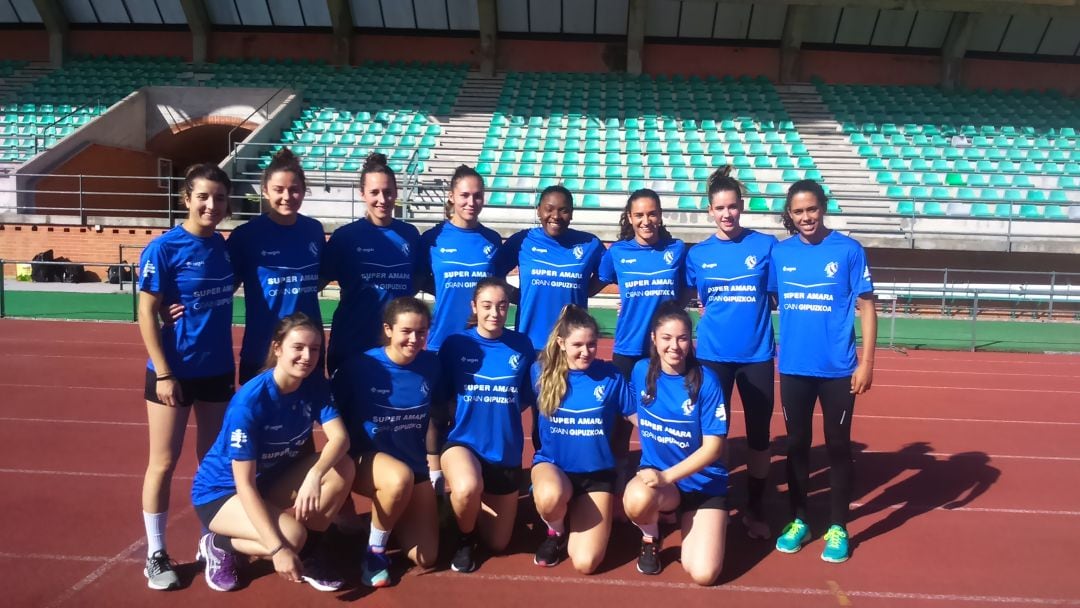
(462, 139)
(841, 167)
(21, 78)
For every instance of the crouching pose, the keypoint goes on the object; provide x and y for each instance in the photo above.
(573, 474)
(683, 425)
(385, 396)
(258, 491)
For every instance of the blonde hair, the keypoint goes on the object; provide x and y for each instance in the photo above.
(552, 384)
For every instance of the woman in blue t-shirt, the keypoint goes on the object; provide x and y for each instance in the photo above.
(373, 260)
(682, 424)
(556, 265)
(259, 492)
(190, 360)
(385, 396)
(821, 277)
(486, 374)
(456, 254)
(579, 399)
(276, 257)
(730, 271)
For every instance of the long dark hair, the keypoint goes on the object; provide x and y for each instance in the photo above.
(668, 311)
(481, 286)
(803, 185)
(376, 163)
(721, 181)
(401, 306)
(626, 229)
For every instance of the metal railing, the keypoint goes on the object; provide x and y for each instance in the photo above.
(230, 145)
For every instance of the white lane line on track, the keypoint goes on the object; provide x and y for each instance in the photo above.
(81, 474)
(990, 456)
(54, 557)
(968, 373)
(963, 420)
(729, 588)
(124, 556)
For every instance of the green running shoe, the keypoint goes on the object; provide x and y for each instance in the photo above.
(795, 535)
(836, 545)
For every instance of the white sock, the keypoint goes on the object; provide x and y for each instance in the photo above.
(377, 538)
(649, 531)
(558, 526)
(155, 531)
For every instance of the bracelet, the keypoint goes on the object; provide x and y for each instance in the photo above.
(164, 377)
(275, 551)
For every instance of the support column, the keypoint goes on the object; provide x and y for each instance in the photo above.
(635, 37)
(56, 24)
(954, 49)
(342, 21)
(791, 43)
(487, 11)
(199, 22)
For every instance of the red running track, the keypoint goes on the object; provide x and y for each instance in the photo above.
(967, 495)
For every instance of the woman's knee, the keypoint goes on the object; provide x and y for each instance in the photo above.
(586, 562)
(465, 487)
(638, 499)
(548, 498)
(704, 576)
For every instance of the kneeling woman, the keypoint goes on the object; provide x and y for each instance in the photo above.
(579, 399)
(487, 377)
(385, 396)
(256, 491)
(682, 423)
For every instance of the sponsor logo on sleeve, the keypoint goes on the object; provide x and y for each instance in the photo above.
(238, 438)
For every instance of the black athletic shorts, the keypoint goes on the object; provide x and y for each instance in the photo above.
(595, 481)
(211, 389)
(498, 480)
(692, 501)
(209, 511)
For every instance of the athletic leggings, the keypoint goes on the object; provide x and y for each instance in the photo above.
(797, 395)
(620, 440)
(755, 382)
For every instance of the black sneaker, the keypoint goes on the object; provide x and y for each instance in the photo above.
(648, 562)
(551, 551)
(159, 572)
(463, 560)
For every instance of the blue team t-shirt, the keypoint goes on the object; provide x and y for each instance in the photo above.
(279, 268)
(818, 286)
(671, 427)
(372, 265)
(732, 279)
(577, 437)
(196, 272)
(488, 381)
(263, 425)
(386, 406)
(648, 276)
(551, 274)
(456, 259)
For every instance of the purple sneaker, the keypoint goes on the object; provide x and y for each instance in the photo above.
(220, 565)
(320, 576)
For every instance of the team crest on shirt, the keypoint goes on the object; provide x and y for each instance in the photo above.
(750, 261)
(405, 249)
(669, 257)
(305, 406)
(424, 389)
(598, 392)
(238, 438)
(227, 258)
(578, 251)
(313, 248)
(687, 407)
(489, 249)
(831, 268)
(514, 361)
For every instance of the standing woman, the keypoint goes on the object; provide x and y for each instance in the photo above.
(191, 360)
(731, 273)
(276, 257)
(385, 396)
(647, 264)
(822, 277)
(579, 399)
(456, 254)
(683, 426)
(258, 491)
(486, 370)
(556, 264)
(373, 259)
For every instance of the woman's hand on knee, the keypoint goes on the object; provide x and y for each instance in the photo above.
(309, 496)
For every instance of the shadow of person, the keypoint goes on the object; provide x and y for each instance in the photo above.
(951, 483)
